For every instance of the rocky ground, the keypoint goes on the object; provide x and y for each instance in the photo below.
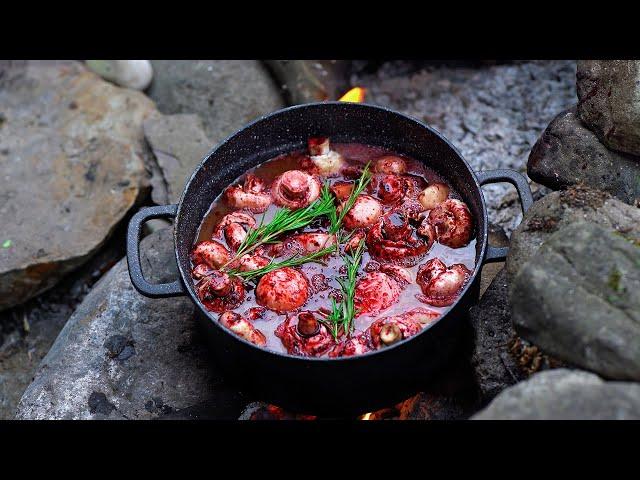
(120, 355)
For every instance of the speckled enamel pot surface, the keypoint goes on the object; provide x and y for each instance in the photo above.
(325, 385)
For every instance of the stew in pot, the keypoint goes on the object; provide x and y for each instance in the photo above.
(338, 250)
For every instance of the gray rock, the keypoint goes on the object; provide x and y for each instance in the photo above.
(122, 355)
(568, 153)
(609, 101)
(154, 225)
(179, 144)
(72, 161)
(493, 115)
(565, 395)
(563, 208)
(226, 94)
(27, 331)
(577, 298)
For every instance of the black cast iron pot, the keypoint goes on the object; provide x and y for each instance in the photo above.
(322, 385)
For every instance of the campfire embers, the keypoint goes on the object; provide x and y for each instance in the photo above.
(451, 395)
(272, 412)
(423, 406)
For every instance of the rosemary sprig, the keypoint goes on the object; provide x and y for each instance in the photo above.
(343, 313)
(336, 218)
(283, 221)
(290, 262)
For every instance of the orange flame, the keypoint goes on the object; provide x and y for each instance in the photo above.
(355, 95)
(366, 416)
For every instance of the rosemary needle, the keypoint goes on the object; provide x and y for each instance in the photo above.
(343, 313)
(283, 221)
(290, 262)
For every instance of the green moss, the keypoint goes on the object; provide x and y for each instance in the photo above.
(615, 278)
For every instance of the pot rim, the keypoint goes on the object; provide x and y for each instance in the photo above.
(185, 276)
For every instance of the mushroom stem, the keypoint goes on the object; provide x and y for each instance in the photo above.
(390, 334)
(219, 283)
(319, 146)
(308, 326)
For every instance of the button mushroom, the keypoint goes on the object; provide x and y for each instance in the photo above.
(440, 284)
(211, 253)
(251, 195)
(295, 189)
(282, 290)
(308, 337)
(219, 292)
(376, 291)
(390, 334)
(242, 328)
(365, 211)
(391, 164)
(433, 195)
(451, 222)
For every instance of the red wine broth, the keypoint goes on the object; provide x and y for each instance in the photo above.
(357, 154)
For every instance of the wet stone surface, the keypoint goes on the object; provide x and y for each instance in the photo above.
(179, 144)
(565, 395)
(226, 94)
(568, 153)
(577, 298)
(608, 92)
(125, 356)
(28, 331)
(71, 148)
(562, 208)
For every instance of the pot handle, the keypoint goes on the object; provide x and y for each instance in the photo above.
(497, 254)
(157, 290)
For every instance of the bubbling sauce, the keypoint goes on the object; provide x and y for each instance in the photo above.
(322, 277)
